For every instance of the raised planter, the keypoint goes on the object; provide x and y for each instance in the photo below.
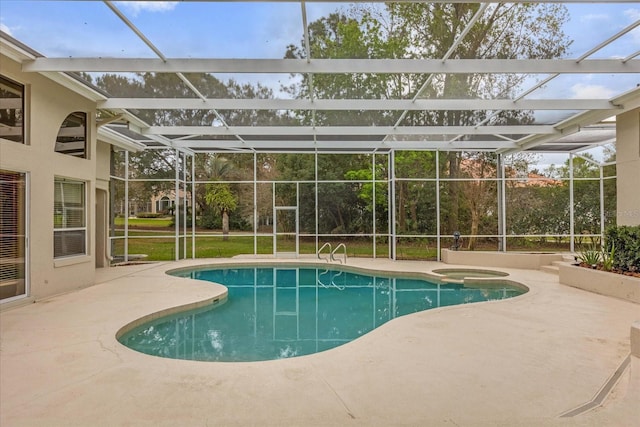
(601, 282)
(525, 260)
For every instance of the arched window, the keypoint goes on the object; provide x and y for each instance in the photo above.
(163, 204)
(72, 136)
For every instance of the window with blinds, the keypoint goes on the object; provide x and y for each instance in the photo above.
(11, 110)
(12, 234)
(69, 218)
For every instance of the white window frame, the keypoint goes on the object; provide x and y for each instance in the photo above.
(83, 208)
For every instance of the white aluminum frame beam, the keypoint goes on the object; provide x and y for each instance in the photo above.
(112, 137)
(371, 146)
(331, 66)
(348, 130)
(355, 104)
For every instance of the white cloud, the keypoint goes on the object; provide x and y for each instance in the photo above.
(5, 29)
(634, 15)
(135, 7)
(585, 91)
(591, 17)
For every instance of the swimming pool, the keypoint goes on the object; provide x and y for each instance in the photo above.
(288, 311)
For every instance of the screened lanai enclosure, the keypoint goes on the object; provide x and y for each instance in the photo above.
(278, 127)
(405, 204)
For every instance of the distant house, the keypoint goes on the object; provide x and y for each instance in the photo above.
(165, 201)
(161, 203)
(533, 179)
(477, 169)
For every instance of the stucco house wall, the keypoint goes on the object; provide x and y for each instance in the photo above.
(47, 104)
(628, 167)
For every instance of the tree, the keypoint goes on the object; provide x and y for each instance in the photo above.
(160, 164)
(427, 30)
(504, 31)
(480, 193)
(586, 193)
(220, 197)
(415, 199)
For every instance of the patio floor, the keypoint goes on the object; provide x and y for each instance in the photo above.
(518, 362)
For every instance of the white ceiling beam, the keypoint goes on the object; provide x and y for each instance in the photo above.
(116, 139)
(331, 66)
(347, 145)
(347, 130)
(355, 104)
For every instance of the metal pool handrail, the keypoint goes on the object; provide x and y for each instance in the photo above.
(329, 253)
(344, 252)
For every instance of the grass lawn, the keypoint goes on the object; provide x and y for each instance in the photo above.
(159, 248)
(144, 222)
(155, 238)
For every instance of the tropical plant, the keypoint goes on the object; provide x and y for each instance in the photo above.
(608, 258)
(220, 197)
(590, 256)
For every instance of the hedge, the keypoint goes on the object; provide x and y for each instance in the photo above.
(626, 241)
(150, 215)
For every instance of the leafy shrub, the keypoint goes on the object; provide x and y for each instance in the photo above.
(150, 215)
(210, 221)
(173, 217)
(626, 240)
(213, 221)
(173, 220)
(590, 256)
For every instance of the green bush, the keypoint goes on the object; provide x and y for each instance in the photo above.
(173, 220)
(150, 215)
(181, 211)
(213, 221)
(626, 240)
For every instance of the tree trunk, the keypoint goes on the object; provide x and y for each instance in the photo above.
(402, 212)
(475, 225)
(225, 225)
(454, 192)
(413, 209)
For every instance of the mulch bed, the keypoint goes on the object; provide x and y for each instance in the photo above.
(624, 273)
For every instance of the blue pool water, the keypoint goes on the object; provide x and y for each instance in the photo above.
(288, 311)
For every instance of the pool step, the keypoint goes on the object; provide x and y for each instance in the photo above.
(553, 268)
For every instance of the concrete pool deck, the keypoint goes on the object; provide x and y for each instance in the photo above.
(518, 362)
